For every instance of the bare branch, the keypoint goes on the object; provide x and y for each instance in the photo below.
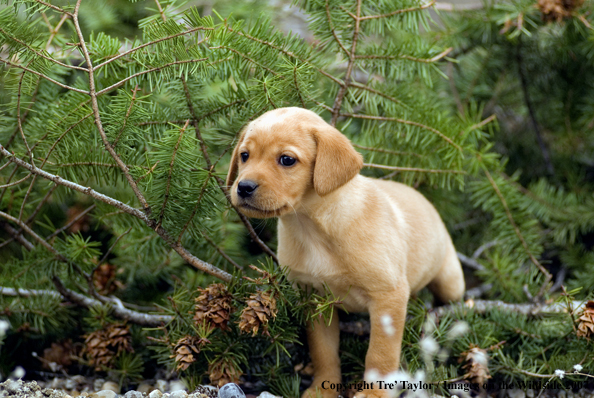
(53, 7)
(16, 182)
(530, 309)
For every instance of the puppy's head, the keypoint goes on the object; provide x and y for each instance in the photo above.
(283, 155)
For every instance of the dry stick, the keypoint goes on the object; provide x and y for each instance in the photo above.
(183, 252)
(436, 171)
(54, 31)
(542, 269)
(118, 308)
(221, 252)
(168, 187)
(410, 58)
(98, 123)
(40, 54)
(351, 63)
(220, 182)
(53, 7)
(27, 197)
(67, 87)
(72, 222)
(531, 309)
(9, 179)
(16, 182)
(163, 17)
(16, 235)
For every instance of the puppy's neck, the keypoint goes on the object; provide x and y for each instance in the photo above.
(338, 208)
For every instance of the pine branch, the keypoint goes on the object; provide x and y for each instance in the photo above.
(510, 217)
(53, 7)
(414, 169)
(183, 252)
(67, 87)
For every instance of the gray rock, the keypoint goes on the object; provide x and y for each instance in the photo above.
(176, 385)
(97, 384)
(530, 393)
(266, 394)
(516, 393)
(155, 394)
(162, 385)
(231, 390)
(144, 387)
(133, 394)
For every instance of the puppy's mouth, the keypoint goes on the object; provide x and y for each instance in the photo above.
(264, 212)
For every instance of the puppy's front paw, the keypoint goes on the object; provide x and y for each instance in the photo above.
(318, 392)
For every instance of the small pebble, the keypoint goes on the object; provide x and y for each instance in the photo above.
(97, 384)
(74, 393)
(530, 393)
(178, 394)
(106, 394)
(231, 390)
(162, 385)
(111, 386)
(133, 394)
(155, 394)
(177, 385)
(144, 387)
(266, 394)
(56, 383)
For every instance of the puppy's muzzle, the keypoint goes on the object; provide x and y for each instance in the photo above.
(246, 188)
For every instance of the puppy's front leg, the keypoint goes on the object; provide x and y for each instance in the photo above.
(387, 314)
(323, 343)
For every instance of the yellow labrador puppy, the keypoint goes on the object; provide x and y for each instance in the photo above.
(372, 242)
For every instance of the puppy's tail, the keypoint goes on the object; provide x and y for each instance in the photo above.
(449, 283)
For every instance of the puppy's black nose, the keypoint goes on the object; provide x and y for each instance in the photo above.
(246, 188)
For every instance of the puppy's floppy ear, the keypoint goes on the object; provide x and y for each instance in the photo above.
(337, 162)
(233, 165)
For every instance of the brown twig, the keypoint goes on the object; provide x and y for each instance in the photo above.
(163, 17)
(221, 252)
(16, 182)
(72, 222)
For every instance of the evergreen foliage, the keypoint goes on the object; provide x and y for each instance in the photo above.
(114, 150)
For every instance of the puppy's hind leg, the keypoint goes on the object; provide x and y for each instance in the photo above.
(448, 285)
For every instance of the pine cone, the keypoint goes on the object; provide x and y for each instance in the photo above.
(58, 355)
(261, 306)
(104, 279)
(586, 321)
(185, 349)
(556, 10)
(222, 372)
(102, 346)
(477, 360)
(213, 305)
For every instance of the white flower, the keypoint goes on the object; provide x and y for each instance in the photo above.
(560, 373)
(386, 321)
(460, 328)
(372, 375)
(578, 367)
(429, 346)
(18, 373)
(4, 326)
(429, 325)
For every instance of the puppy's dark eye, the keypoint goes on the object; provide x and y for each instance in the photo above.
(244, 156)
(287, 160)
